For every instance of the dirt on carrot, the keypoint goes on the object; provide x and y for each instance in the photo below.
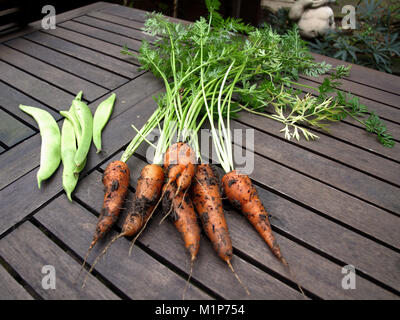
(180, 164)
(206, 197)
(183, 217)
(116, 181)
(242, 194)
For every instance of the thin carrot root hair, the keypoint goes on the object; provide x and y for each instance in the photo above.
(237, 277)
(190, 276)
(170, 210)
(85, 259)
(294, 279)
(102, 253)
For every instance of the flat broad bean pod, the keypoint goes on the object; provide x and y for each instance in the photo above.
(50, 153)
(68, 151)
(84, 115)
(101, 117)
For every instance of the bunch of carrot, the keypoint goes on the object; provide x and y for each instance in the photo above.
(178, 179)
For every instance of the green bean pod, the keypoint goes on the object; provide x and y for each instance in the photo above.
(85, 118)
(72, 117)
(100, 119)
(68, 151)
(50, 153)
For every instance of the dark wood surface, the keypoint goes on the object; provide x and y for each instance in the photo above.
(333, 202)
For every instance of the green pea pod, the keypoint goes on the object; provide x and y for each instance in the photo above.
(68, 151)
(101, 117)
(50, 153)
(85, 118)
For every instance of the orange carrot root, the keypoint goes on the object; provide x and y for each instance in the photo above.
(206, 197)
(184, 218)
(180, 164)
(146, 196)
(185, 221)
(243, 195)
(116, 181)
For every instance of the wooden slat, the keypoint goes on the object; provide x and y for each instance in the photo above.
(367, 92)
(325, 170)
(139, 276)
(323, 279)
(367, 76)
(96, 58)
(11, 98)
(113, 38)
(134, 14)
(34, 87)
(10, 288)
(209, 269)
(325, 199)
(72, 65)
(51, 74)
(59, 18)
(115, 28)
(125, 62)
(27, 249)
(12, 131)
(22, 197)
(363, 139)
(115, 19)
(385, 111)
(331, 148)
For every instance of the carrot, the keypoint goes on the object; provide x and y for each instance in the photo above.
(184, 218)
(180, 164)
(146, 197)
(243, 195)
(185, 221)
(115, 181)
(206, 197)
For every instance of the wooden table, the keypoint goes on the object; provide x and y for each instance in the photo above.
(334, 202)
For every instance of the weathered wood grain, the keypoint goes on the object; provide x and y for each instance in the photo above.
(325, 170)
(99, 59)
(34, 87)
(28, 250)
(139, 276)
(364, 75)
(115, 19)
(51, 74)
(20, 198)
(36, 25)
(10, 288)
(124, 62)
(331, 148)
(115, 28)
(133, 14)
(11, 98)
(72, 65)
(79, 26)
(13, 131)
